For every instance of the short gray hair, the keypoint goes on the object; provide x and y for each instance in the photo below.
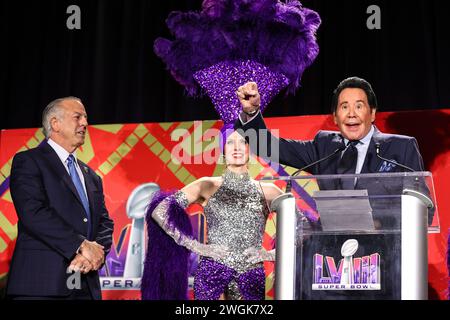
(53, 109)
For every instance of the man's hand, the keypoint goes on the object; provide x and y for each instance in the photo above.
(93, 252)
(80, 263)
(249, 98)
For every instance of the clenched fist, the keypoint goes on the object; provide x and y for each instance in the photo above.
(249, 98)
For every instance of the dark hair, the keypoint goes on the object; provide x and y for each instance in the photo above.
(354, 82)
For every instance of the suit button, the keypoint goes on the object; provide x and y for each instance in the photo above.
(85, 220)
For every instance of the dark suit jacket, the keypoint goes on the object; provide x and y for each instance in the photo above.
(297, 154)
(51, 223)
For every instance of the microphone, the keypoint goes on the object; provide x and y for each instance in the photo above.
(289, 183)
(417, 185)
(377, 149)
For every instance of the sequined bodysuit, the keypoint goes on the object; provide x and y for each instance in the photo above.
(236, 216)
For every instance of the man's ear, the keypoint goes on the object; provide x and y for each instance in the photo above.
(55, 124)
(334, 118)
(373, 114)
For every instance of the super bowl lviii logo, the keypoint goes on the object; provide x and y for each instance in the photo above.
(361, 273)
(124, 264)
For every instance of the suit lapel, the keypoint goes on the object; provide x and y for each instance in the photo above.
(332, 163)
(58, 167)
(90, 187)
(372, 163)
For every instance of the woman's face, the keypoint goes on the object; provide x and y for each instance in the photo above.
(236, 150)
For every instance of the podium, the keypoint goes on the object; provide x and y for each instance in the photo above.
(366, 243)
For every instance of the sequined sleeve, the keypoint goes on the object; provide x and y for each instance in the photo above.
(160, 212)
(181, 198)
(160, 215)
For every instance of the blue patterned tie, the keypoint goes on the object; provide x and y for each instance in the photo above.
(78, 185)
(347, 164)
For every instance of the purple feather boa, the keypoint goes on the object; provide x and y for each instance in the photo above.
(165, 275)
(278, 35)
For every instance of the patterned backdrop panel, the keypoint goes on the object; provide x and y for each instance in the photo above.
(135, 160)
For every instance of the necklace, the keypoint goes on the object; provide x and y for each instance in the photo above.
(230, 175)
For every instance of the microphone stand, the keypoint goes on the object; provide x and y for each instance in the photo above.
(377, 149)
(289, 183)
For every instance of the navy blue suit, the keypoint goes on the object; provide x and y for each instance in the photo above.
(297, 154)
(52, 224)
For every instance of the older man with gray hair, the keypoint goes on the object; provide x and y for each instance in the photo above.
(63, 226)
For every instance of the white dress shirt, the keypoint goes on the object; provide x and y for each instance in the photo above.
(63, 155)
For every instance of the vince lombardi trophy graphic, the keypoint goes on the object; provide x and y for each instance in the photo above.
(348, 249)
(136, 208)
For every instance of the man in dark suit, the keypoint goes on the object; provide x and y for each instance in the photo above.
(352, 149)
(354, 110)
(63, 226)
(354, 107)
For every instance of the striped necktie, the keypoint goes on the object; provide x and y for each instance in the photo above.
(347, 164)
(78, 185)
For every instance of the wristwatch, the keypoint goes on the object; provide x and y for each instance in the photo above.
(251, 114)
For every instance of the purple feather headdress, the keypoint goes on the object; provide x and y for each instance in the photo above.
(230, 42)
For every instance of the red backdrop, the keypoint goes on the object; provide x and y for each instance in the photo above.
(127, 156)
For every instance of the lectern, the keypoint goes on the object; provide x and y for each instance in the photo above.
(366, 243)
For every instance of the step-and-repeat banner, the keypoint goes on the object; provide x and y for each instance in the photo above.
(134, 160)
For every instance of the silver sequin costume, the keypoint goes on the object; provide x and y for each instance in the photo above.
(236, 217)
